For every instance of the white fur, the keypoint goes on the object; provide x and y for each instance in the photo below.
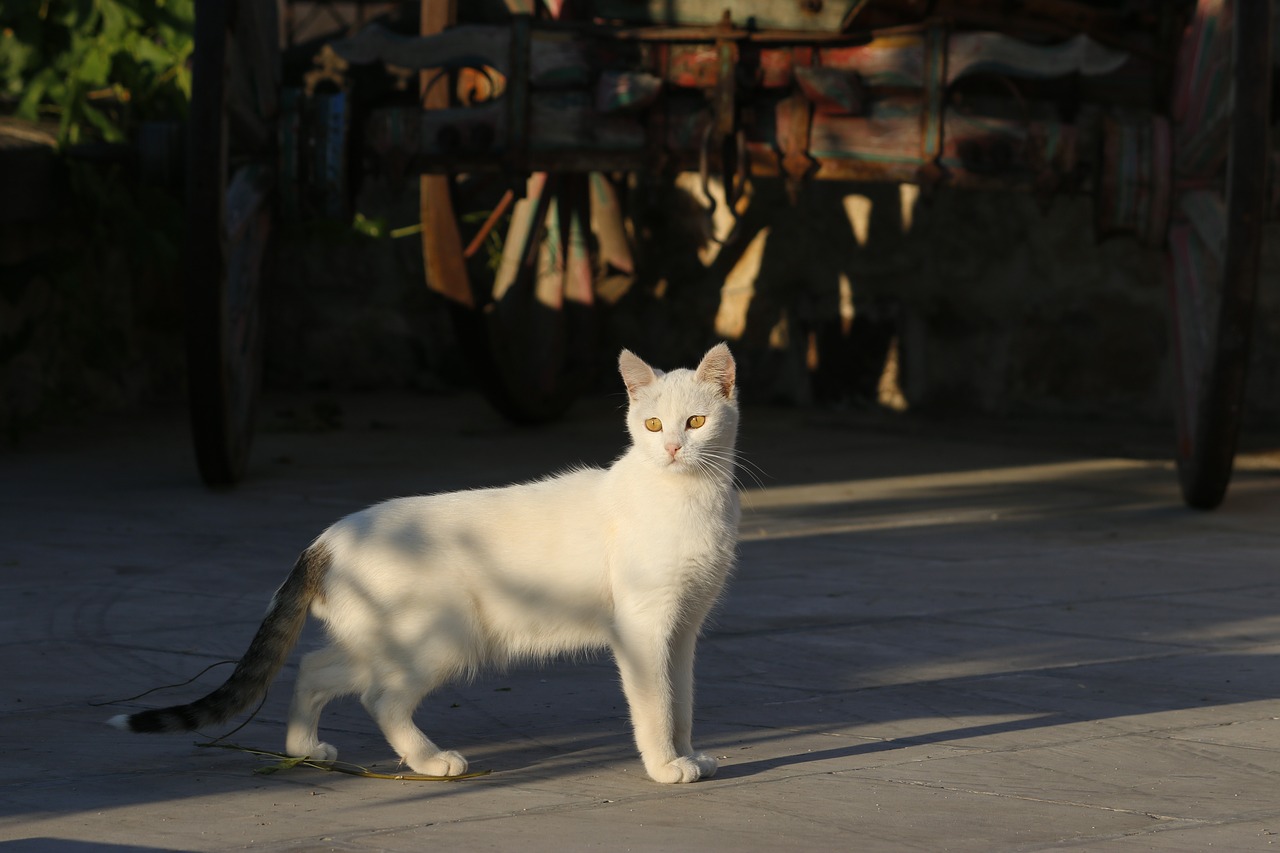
(630, 558)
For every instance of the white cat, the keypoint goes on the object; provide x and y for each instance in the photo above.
(417, 591)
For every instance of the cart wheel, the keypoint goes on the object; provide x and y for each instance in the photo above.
(1220, 116)
(521, 274)
(230, 182)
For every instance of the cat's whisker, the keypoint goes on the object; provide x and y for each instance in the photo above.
(747, 468)
(721, 462)
(755, 478)
(719, 468)
(756, 471)
(623, 399)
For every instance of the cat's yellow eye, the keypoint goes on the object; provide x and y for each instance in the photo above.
(696, 421)
(653, 425)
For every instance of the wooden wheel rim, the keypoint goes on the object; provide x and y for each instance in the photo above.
(229, 183)
(1220, 156)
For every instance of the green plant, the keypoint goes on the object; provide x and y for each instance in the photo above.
(97, 65)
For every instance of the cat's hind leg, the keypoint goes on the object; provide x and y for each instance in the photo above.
(392, 709)
(322, 676)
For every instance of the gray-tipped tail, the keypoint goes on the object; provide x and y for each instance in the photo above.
(270, 648)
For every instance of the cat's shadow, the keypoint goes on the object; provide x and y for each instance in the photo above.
(1011, 711)
(733, 769)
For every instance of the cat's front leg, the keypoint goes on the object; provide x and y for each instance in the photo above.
(647, 664)
(681, 667)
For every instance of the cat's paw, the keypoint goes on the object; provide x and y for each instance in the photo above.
(316, 751)
(445, 763)
(706, 764)
(686, 768)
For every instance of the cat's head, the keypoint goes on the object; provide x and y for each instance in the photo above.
(685, 421)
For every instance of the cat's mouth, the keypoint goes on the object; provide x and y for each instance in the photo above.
(680, 463)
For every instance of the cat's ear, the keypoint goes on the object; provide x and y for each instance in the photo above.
(635, 373)
(717, 367)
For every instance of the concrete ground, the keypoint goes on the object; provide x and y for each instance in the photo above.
(976, 638)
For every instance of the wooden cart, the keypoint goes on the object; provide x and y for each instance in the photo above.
(534, 112)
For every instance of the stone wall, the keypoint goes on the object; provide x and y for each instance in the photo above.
(1020, 309)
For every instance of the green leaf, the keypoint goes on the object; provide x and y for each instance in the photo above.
(68, 129)
(15, 57)
(287, 764)
(94, 66)
(110, 132)
(114, 20)
(29, 103)
(57, 54)
(376, 227)
(183, 81)
(149, 52)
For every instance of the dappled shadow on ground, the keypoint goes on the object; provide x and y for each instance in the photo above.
(894, 594)
(991, 610)
(1049, 707)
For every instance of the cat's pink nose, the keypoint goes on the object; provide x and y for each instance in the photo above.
(673, 448)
